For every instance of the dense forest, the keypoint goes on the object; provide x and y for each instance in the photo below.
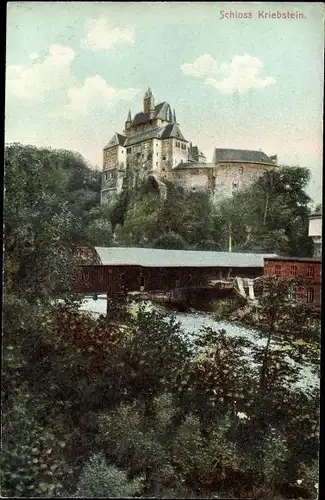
(130, 409)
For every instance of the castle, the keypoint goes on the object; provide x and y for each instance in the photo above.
(152, 145)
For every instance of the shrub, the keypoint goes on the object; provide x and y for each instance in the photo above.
(100, 480)
(170, 240)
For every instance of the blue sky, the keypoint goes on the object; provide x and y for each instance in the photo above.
(74, 69)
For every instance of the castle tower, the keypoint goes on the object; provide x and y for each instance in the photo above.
(128, 121)
(149, 103)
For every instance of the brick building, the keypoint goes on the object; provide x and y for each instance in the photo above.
(308, 269)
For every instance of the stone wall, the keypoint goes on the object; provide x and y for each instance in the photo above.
(158, 157)
(230, 177)
(191, 179)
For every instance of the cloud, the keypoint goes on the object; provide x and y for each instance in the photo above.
(33, 56)
(241, 75)
(33, 82)
(95, 94)
(102, 37)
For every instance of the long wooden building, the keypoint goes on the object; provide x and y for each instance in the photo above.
(110, 270)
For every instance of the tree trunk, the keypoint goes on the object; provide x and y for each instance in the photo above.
(266, 208)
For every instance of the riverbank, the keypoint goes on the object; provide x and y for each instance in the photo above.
(194, 322)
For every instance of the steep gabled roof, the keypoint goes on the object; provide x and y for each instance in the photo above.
(240, 155)
(162, 111)
(170, 130)
(142, 136)
(117, 140)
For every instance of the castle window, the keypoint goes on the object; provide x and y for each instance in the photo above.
(277, 270)
(157, 154)
(241, 170)
(163, 169)
(128, 150)
(310, 271)
(310, 295)
(156, 163)
(164, 157)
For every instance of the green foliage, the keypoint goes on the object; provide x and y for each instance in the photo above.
(151, 336)
(173, 421)
(182, 220)
(32, 463)
(271, 215)
(91, 408)
(170, 240)
(139, 226)
(100, 480)
(51, 205)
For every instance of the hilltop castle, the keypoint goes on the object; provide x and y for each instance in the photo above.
(152, 145)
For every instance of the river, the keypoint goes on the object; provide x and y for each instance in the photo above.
(192, 323)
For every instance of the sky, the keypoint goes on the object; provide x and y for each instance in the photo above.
(236, 76)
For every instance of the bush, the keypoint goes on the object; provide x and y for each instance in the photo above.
(100, 480)
(170, 240)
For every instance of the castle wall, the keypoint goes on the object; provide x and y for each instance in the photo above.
(191, 179)
(156, 155)
(166, 155)
(140, 156)
(110, 158)
(230, 177)
(220, 180)
(179, 155)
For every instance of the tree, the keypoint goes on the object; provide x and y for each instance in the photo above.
(144, 216)
(272, 214)
(170, 240)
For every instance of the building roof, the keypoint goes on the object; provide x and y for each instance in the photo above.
(153, 257)
(117, 140)
(315, 215)
(240, 155)
(170, 130)
(162, 111)
(294, 259)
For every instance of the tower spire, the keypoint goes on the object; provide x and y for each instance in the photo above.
(174, 116)
(129, 119)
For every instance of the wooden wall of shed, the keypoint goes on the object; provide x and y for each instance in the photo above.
(111, 279)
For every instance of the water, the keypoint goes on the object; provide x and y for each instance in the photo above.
(192, 323)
